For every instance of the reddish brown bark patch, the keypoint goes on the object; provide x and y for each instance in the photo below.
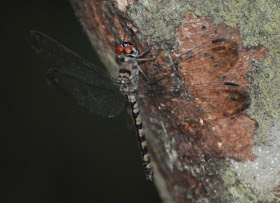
(213, 117)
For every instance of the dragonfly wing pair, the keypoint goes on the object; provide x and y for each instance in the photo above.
(92, 87)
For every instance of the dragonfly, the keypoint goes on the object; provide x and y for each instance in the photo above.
(102, 94)
(93, 87)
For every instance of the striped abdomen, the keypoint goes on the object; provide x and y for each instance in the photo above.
(141, 136)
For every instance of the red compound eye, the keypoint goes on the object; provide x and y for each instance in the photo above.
(127, 50)
(119, 49)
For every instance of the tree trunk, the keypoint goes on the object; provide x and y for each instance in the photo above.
(211, 140)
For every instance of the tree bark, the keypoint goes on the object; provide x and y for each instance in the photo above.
(223, 146)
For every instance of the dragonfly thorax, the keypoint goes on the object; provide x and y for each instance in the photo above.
(128, 78)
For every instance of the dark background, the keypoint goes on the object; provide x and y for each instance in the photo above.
(52, 150)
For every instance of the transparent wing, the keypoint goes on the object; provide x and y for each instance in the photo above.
(219, 52)
(209, 62)
(215, 97)
(91, 87)
(202, 81)
(205, 70)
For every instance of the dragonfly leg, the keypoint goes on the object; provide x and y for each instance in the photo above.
(144, 53)
(148, 59)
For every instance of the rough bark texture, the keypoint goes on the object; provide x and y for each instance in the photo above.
(218, 147)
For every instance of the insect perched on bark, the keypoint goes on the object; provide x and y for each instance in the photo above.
(95, 89)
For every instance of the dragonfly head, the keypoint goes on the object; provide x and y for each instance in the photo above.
(126, 49)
